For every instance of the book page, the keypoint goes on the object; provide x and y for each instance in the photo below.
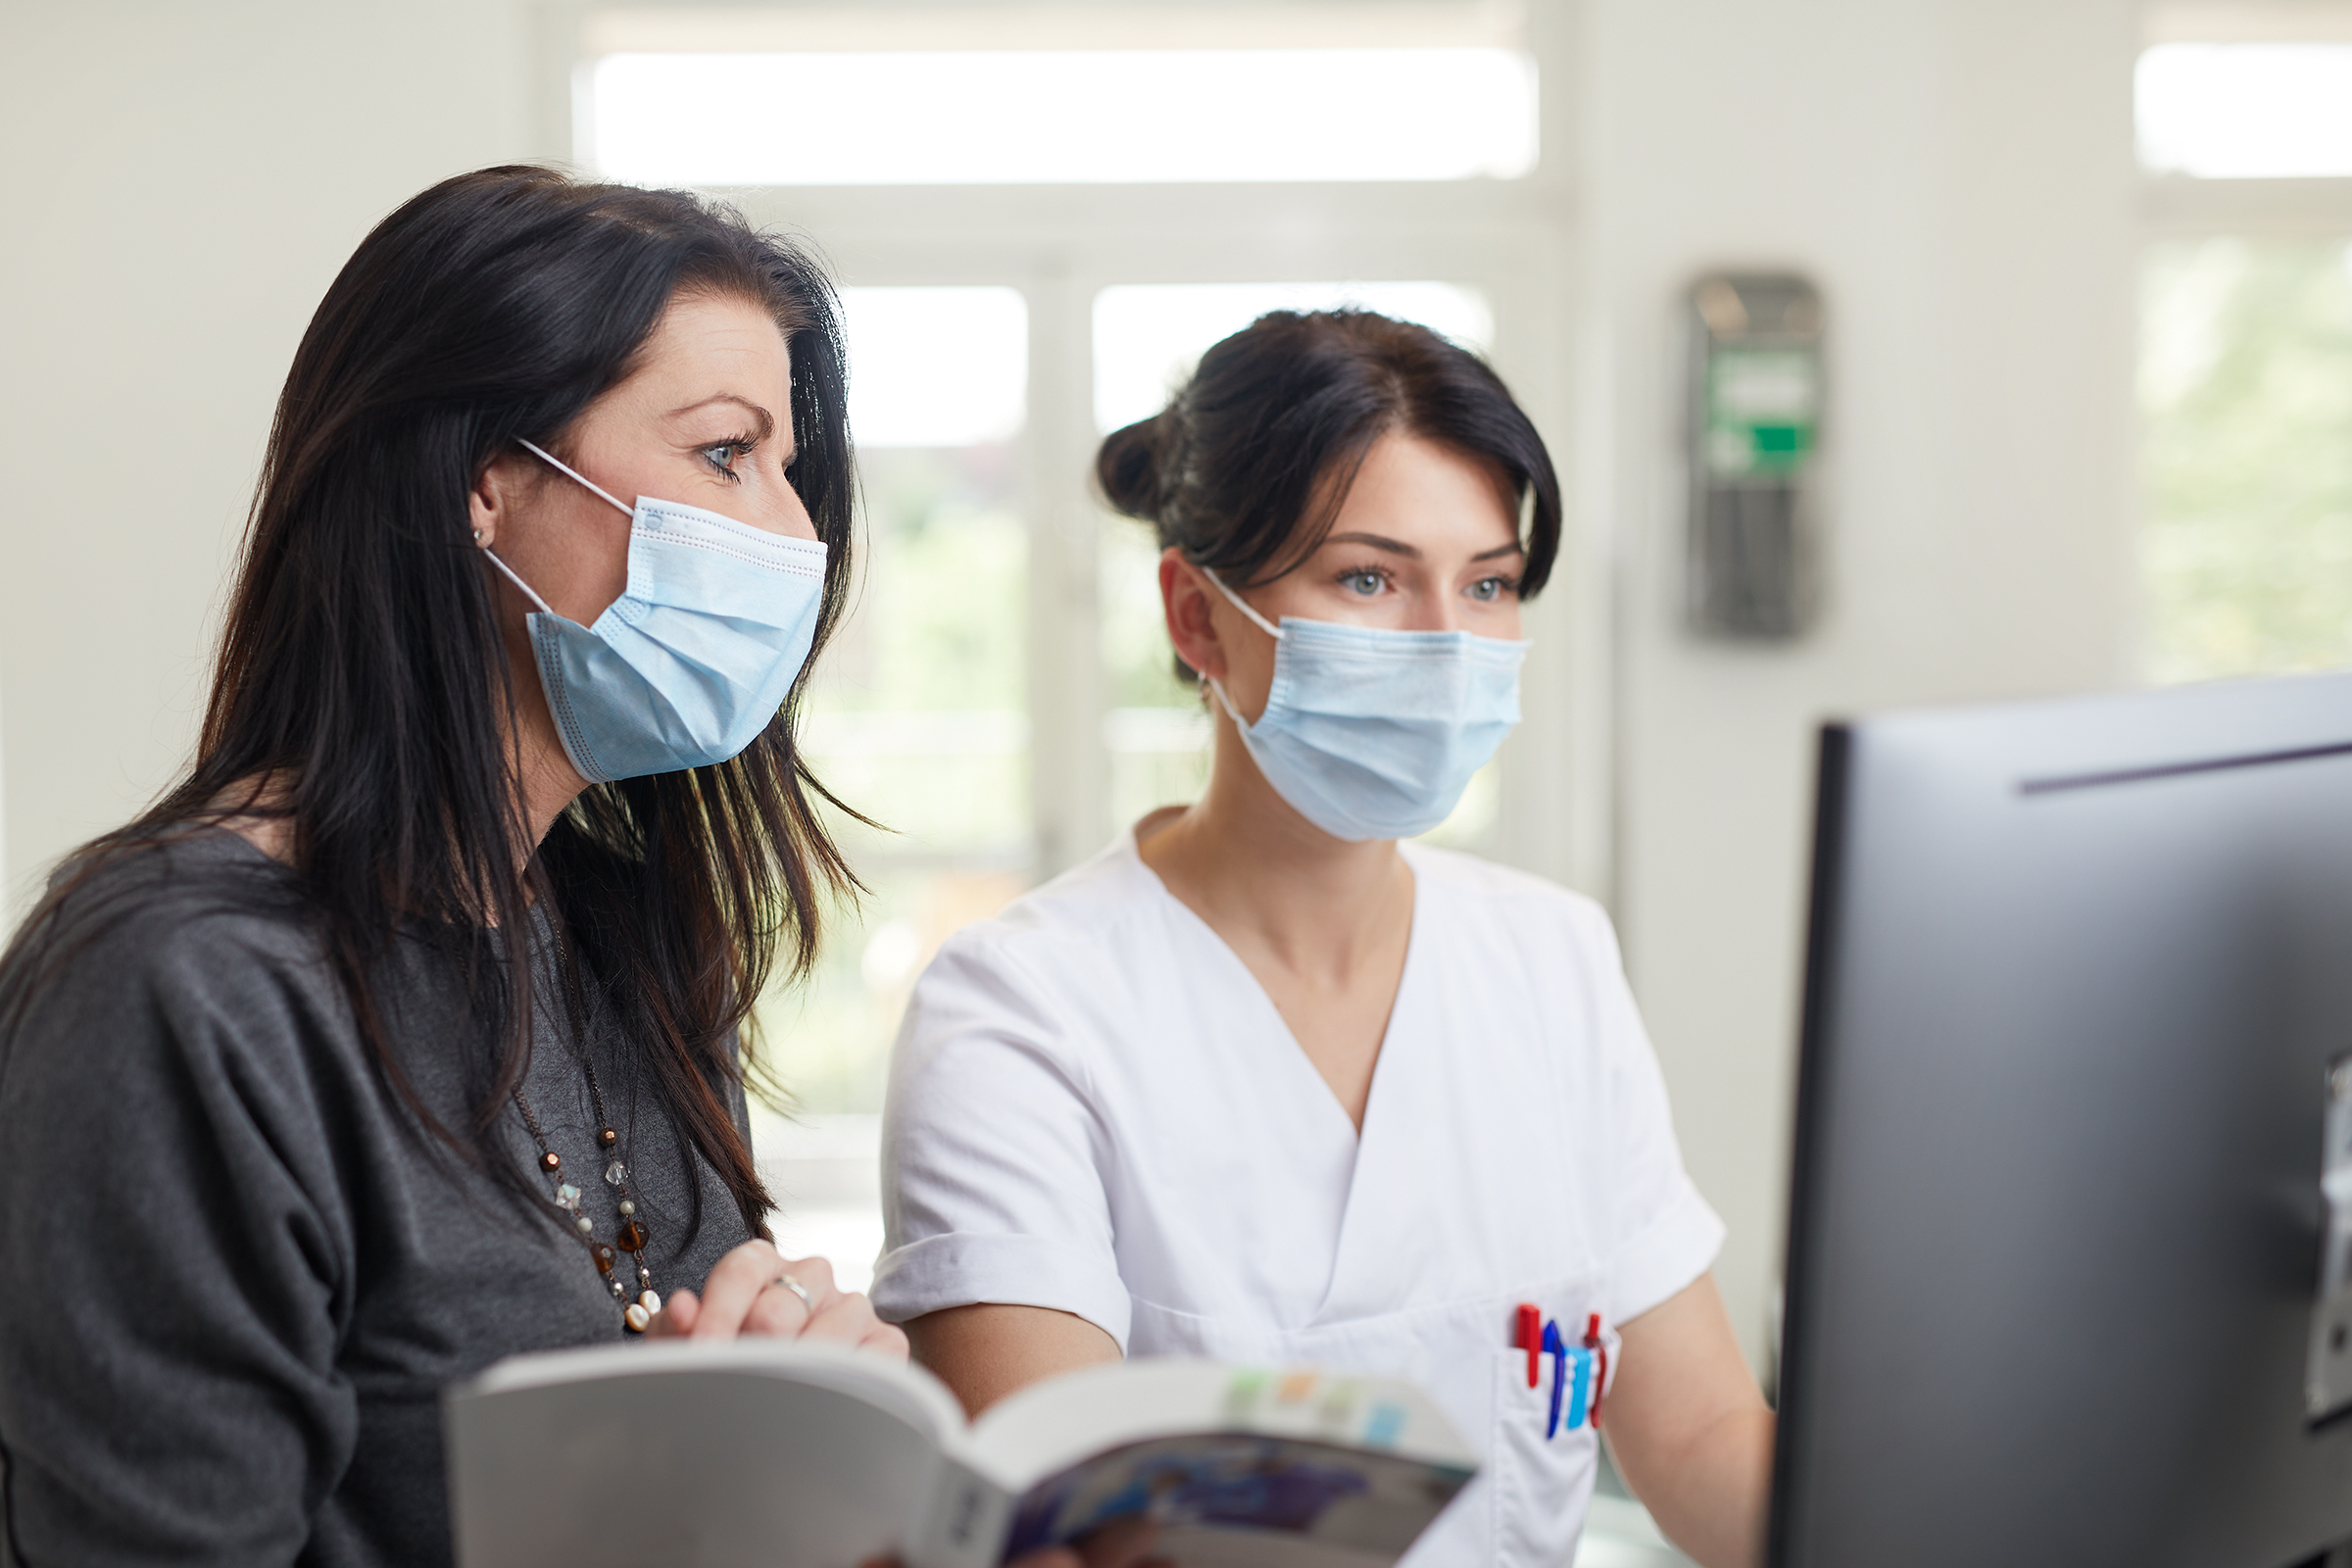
(751, 1451)
(1228, 1498)
(1053, 1424)
(1239, 1465)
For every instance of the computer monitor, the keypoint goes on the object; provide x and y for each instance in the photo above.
(2077, 1050)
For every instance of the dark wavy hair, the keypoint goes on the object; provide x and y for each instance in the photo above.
(363, 693)
(1248, 465)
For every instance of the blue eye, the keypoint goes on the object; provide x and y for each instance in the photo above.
(724, 454)
(1486, 590)
(1364, 583)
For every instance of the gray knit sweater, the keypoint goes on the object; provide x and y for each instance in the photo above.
(234, 1273)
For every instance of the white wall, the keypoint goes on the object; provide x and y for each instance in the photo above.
(1957, 176)
(179, 184)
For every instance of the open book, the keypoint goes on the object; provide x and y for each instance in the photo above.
(799, 1455)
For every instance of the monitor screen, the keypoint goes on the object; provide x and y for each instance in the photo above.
(2078, 1036)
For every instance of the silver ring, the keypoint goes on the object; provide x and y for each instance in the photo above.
(798, 1289)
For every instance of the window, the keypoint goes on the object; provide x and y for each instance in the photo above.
(2246, 397)
(2246, 111)
(918, 717)
(2245, 376)
(1058, 116)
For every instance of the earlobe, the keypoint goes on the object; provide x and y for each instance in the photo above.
(483, 513)
(482, 508)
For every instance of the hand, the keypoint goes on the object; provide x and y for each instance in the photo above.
(745, 1294)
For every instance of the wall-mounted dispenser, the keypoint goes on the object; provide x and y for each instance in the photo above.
(1753, 567)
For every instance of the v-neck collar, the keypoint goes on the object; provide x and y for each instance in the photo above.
(1255, 988)
(1358, 1261)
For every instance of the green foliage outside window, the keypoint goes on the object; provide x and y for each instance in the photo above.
(2247, 397)
(918, 719)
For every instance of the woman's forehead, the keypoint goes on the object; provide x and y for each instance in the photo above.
(700, 332)
(1415, 493)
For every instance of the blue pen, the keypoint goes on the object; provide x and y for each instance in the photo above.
(1555, 1348)
(1578, 1410)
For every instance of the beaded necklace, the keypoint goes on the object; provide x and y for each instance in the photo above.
(637, 1315)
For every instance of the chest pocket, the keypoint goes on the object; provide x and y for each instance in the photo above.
(1540, 1475)
(1527, 1507)
(1537, 1484)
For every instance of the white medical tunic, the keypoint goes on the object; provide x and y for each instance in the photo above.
(1094, 1107)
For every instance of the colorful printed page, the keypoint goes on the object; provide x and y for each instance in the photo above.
(1240, 1465)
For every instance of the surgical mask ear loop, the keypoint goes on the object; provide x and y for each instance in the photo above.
(1268, 628)
(1263, 624)
(527, 590)
(562, 468)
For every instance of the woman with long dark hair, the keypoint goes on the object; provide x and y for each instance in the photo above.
(1262, 1083)
(407, 1030)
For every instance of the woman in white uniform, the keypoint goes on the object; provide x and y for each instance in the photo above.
(1261, 1082)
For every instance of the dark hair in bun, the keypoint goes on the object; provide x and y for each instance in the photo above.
(1230, 470)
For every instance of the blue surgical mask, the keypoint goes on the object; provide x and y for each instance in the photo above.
(1373, 734)
(690, 663)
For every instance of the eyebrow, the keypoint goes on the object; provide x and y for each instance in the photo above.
(1397, 547)
(768, 421)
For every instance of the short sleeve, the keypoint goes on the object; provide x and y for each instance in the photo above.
(992, 1149)
(1664, 1235)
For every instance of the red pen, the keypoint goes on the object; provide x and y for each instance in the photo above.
(1600, 1364)
(1528, 1336)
